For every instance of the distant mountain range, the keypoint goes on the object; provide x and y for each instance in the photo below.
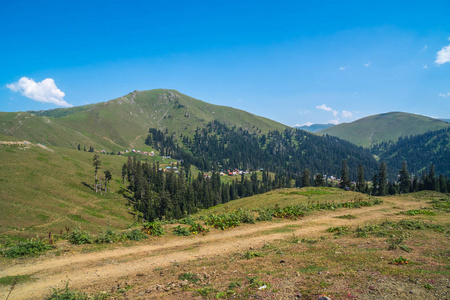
(314, 127)
(385, 127)
(123, 123)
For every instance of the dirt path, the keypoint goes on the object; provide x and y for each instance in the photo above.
(103, 268)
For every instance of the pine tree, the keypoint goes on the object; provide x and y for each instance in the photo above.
(96, 163)
(345, 180)
(382, 179)
(107, 178)
(306, 178)
(404, 179)
(319, 180)
(361, 183)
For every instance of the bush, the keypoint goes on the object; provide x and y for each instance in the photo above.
(79, 237)
(135, 235)
(153, 228)
(181, 231)
(265, 215)
(107, 236)
(196, 228)
(30, 247)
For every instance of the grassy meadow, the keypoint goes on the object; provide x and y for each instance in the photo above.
(44, 191)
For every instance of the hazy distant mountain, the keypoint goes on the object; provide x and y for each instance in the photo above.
(384, 127)
(445, 120)
(314, 127)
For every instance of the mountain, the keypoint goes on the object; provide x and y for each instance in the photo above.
(124, 122)
(445, 120)
(419, 152)
(314, 127)
(375, 129)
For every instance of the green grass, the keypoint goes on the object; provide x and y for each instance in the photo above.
(47, 196)
(10, 280)
(286, 197)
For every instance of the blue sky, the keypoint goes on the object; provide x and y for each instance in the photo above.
(291, 61)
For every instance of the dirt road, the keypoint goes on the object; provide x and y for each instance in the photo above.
(103, 267)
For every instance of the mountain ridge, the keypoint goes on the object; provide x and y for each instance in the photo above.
(384, 127)
(124, 122)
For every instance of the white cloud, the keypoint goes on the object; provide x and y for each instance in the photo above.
(334, 122)
(347, 114)
(424, 48)
(44, 91)
(368, 64)
(324, 107)
(445, 95)
(307, 124)
(335, 113)
(425, 66)
(342, 68)
(443, 56)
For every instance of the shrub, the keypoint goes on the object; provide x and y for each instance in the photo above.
(181, 231)
(107, 236)
(135, 235)
(153, 228)
(79, 237)
(30, 247)
(265, 215)
(196, 228)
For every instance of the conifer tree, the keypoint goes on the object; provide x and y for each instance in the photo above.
(382, 179)
(404, 179)
(96, 163)
(345, 180)
(361, 183)
(319, 180)
(306, 178)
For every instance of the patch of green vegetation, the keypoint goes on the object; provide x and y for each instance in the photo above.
(312, 269)
(30, 247)
(442, 204)
(43, 217)
(93, 213)
(348, 217)
(67, 293)
(191, 277)
(309, 192)
(153, 228)
(10, 280)
(205, 291)
(414, 212)
(181, 231)
(339, 230)
(77, 218)
(251, 254)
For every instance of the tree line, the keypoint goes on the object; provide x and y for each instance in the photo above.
(159, 193)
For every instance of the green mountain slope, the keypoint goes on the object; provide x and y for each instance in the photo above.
(124, 122)
(44, 190)
(314, 127)
(384, 127)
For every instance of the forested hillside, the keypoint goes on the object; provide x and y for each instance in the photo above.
(219, 147)
(419, 151)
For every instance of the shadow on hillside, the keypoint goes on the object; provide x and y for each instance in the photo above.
(87, 185)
